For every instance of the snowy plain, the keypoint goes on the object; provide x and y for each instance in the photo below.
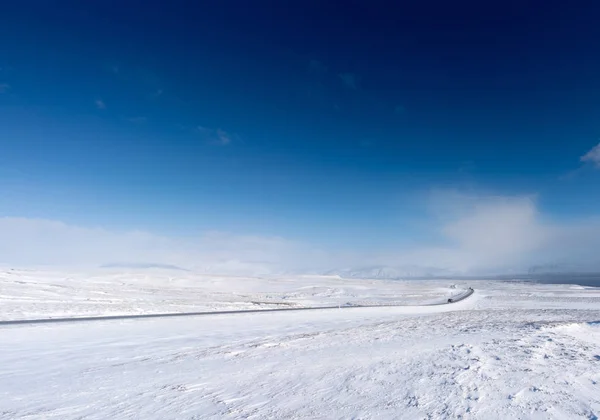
(511, 350)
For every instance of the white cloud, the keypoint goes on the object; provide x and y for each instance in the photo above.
(215, 136)
(100, 104)
(475, 235)
(495, 232)
(495, 223)
(223, 137)
(501, 234)
(350, 80)
(38, 242)
(593, 156)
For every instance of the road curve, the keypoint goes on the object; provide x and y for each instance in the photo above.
(454, 299)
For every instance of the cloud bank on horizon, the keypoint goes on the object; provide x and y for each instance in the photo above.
(476, 235)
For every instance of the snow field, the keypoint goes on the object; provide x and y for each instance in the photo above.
(487, 357)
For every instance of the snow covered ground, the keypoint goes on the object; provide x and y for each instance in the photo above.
(26, 294)
(512, 350)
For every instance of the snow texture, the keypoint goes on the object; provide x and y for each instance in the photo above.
(512, 350)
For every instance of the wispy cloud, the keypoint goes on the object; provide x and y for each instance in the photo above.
(215, 136)
(37, 241)
(593, 156)
(223, 137)
(4, 87)
(350, 80)
(100, 104)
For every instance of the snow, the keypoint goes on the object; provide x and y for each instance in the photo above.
(511, 350)
(37, 294)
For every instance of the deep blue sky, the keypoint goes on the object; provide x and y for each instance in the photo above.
(311, 120)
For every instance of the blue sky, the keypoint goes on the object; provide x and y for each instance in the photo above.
(332, 126)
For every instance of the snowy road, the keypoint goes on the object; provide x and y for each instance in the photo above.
(452, 300)
(510, 351)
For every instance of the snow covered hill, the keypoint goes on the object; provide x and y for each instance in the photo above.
(512, 350)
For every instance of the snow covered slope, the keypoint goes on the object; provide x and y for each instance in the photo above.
(512, 350)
